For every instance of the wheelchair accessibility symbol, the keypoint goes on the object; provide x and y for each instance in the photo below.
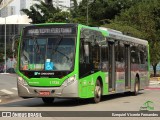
(49, 66)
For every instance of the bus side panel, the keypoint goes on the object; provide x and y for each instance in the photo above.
(144, 79)
(87, 85)
(139, 67)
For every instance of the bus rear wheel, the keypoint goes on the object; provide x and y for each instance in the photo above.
(97, 92)
(136, 87)
(48, 100)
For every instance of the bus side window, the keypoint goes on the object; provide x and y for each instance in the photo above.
(104, 53)
(104, 57)
(134, 55)
(146, 54)
(121, 52)
(81, 53)
(142, 55)
(87, 53)
(96, 56)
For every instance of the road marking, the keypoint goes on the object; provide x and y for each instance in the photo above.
(6, 91)
(14, 88)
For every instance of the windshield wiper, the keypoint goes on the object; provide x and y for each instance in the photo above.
(36, 45)
(56, 46)
(68, 58)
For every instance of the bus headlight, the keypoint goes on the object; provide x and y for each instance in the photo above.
(69, 81)
(22, 81)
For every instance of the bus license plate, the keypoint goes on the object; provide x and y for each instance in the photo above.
(44, 93)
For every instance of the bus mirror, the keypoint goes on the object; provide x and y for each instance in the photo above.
(86, 50)
(15, 39)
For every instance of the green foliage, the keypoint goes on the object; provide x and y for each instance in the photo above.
(141, 17)
(42, 12)
(142, 20)
(99, 11)
(102, 11)
(60, 17)
(126, 29)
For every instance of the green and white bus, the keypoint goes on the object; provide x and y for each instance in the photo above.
(76, 61)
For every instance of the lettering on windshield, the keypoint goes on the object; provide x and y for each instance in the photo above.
(43, 73)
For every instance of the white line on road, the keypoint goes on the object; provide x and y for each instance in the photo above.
(14, 88)
(6, 91)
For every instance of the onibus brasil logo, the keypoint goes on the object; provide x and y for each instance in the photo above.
(147, 106)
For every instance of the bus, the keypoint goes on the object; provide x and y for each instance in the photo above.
(60, 60)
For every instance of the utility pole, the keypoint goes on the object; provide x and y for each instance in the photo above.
(5, 65)
(87, 12)
(88, 3)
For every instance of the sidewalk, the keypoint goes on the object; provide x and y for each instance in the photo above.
(8, 87)
(154, 83)
(4, 98)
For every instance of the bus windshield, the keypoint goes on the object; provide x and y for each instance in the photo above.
(53, 53)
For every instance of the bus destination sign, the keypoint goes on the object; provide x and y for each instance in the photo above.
(49, 31)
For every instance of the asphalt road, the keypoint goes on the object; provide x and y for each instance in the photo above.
(118, 102)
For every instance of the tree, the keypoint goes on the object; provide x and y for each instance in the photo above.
(102, 11)
(42, 12)
(145, 17)
(99, 11)
(126, 29)
(155, 55)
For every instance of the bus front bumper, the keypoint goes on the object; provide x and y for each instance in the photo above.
(70, 91)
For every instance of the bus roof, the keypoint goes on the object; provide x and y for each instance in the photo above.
(114, 34)
(110, 33)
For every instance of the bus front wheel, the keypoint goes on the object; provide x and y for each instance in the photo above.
(48, 100)
(97, 92)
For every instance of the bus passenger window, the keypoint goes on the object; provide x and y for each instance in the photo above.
(96, 56)
(134, 55)
(121, 52)
(81, 53)
(142, 57)
(86, 52)
(104, 57)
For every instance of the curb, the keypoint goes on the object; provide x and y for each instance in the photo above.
(152, 88)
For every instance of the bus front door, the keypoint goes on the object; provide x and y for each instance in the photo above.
(127, 67)
(111, 55)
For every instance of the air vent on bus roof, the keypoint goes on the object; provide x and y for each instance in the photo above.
(111, 30)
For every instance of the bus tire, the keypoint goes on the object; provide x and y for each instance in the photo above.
(48, 100)
(97, 92)
(136, 87)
